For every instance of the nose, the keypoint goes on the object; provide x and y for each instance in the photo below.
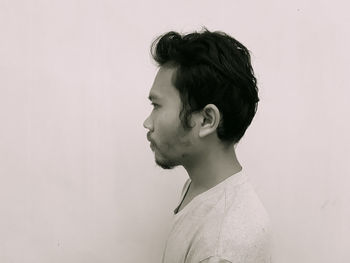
(147, 124)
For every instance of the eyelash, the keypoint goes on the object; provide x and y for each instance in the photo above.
(155, 105)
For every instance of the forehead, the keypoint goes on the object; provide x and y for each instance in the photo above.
(163, 87)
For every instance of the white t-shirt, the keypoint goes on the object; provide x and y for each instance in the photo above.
(226, 223)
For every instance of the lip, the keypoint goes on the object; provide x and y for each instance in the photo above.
(151, 145)
(149, 137)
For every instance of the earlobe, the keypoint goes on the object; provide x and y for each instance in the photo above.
(210, 120)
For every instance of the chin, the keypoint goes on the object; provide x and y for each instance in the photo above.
(165, 165)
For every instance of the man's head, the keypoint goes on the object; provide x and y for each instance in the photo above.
(204, 94)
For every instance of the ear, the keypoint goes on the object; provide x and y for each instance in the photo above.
(210, 120)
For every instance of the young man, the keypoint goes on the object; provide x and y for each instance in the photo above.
(204, 97)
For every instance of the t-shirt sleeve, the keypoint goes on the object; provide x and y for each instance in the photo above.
(215, 259)
(255, 250)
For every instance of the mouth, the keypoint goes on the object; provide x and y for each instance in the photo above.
(149, 137)
(151, 145)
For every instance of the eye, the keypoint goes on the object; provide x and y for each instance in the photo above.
(155, 105)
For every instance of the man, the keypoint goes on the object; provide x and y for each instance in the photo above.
(204, 97)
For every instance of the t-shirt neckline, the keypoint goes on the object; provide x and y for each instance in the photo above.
(232, 179)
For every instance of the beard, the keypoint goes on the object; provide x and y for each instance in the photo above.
(170, 154)
(165, 164)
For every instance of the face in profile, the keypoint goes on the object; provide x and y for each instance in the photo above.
(170, 142)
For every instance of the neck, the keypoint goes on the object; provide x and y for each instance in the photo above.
(212, 168)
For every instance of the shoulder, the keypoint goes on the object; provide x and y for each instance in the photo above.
(243, 231)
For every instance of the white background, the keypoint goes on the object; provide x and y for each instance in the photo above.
(78, 181)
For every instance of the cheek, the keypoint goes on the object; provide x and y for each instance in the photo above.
(167, 126)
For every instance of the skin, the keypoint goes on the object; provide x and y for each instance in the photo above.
(207, 159)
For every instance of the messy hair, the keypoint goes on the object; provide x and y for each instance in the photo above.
(211, 68)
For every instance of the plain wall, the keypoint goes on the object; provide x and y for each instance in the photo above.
(78, 181)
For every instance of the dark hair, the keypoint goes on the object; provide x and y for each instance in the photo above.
(211, 68)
